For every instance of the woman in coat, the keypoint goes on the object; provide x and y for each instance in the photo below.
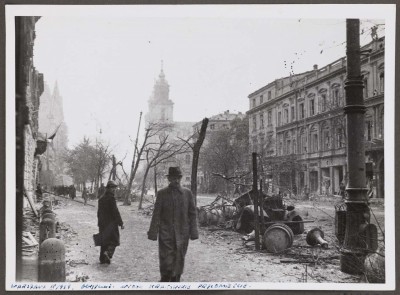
(108, 221)
(174, 221)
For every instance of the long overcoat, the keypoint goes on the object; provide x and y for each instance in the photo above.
(109, 219)
(174, 220)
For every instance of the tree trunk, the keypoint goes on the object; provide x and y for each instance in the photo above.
(135, 164)
(143, 186)
(196, 154)
(155, 181)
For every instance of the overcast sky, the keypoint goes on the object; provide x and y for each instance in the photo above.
(106, 64)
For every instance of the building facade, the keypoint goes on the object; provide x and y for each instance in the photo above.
(298, 125)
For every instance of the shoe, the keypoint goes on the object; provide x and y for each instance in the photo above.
(107, 258)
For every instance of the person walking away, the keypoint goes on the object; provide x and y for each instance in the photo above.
(85, 195)
(109, 219)
(101, 190)
(174, 221)
(72, 192)
(342, 190)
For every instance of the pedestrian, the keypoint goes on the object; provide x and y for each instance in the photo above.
(174, 221)
(101, 190)
(108, 221)
(72, 192)
(85, 195)
(342, 190)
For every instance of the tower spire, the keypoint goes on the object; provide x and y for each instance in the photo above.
(162, 75)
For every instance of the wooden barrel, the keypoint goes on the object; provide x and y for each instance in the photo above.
(277, 238)
(203, 217)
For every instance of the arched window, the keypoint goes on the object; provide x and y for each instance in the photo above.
(381, 74)
(314, 139)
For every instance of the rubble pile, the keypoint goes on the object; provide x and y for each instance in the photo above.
(30, 234)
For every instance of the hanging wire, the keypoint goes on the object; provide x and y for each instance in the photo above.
(365, 33)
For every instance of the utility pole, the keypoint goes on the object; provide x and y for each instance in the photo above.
(353, 251)
(255, 195)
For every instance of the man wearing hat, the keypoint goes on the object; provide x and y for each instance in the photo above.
(108, 221)
(174, 221)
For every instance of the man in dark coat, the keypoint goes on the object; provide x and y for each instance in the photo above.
(108, 221)
(101, 190)
(174, 221)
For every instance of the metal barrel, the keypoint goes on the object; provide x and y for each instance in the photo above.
(277, 238)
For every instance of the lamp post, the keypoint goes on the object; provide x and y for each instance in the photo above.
(353, 251)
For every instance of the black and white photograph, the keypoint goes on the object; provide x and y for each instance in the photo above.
(200, 147)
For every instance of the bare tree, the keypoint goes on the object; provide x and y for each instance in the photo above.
(151, 131)
(157, 153)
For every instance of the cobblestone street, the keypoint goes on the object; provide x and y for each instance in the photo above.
(218, 256)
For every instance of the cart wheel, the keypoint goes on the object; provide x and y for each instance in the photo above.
(297, 228)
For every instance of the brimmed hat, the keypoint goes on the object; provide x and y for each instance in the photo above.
(174, 171)
(111, 183)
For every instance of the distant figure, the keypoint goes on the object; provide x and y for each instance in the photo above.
(342, 190)
(72, 192)
(101, 190)
(307, 192)
(108, 221)
(85, 195)
(174, 221)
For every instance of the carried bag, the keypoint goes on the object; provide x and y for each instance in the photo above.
(97, 239)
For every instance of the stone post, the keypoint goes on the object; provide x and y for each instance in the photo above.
(52, 261)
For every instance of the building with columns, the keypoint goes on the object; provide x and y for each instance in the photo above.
(298, 126)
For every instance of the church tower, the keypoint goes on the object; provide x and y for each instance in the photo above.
(160, 106)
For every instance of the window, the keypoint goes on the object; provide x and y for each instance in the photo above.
(365, 81)
(254, 102)
(280, 147)
(312, 107)
(254, 123)
(269, 95)
(187, 159)
(339, 137)
(292, 113)
(323, 102)
(269, 117)
(335, 96)
(315, 142)
(302, 115)
(303, 143)
(381, 82)
(212, 126)
(286, 116)
(279, 118)
(368, 130)
(261, 99)
(327, 140)
(288, 147)
(262, 120)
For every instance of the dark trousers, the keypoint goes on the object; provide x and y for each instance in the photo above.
(110, 249)
(176, 278)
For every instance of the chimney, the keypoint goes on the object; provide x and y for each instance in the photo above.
(315, 67)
